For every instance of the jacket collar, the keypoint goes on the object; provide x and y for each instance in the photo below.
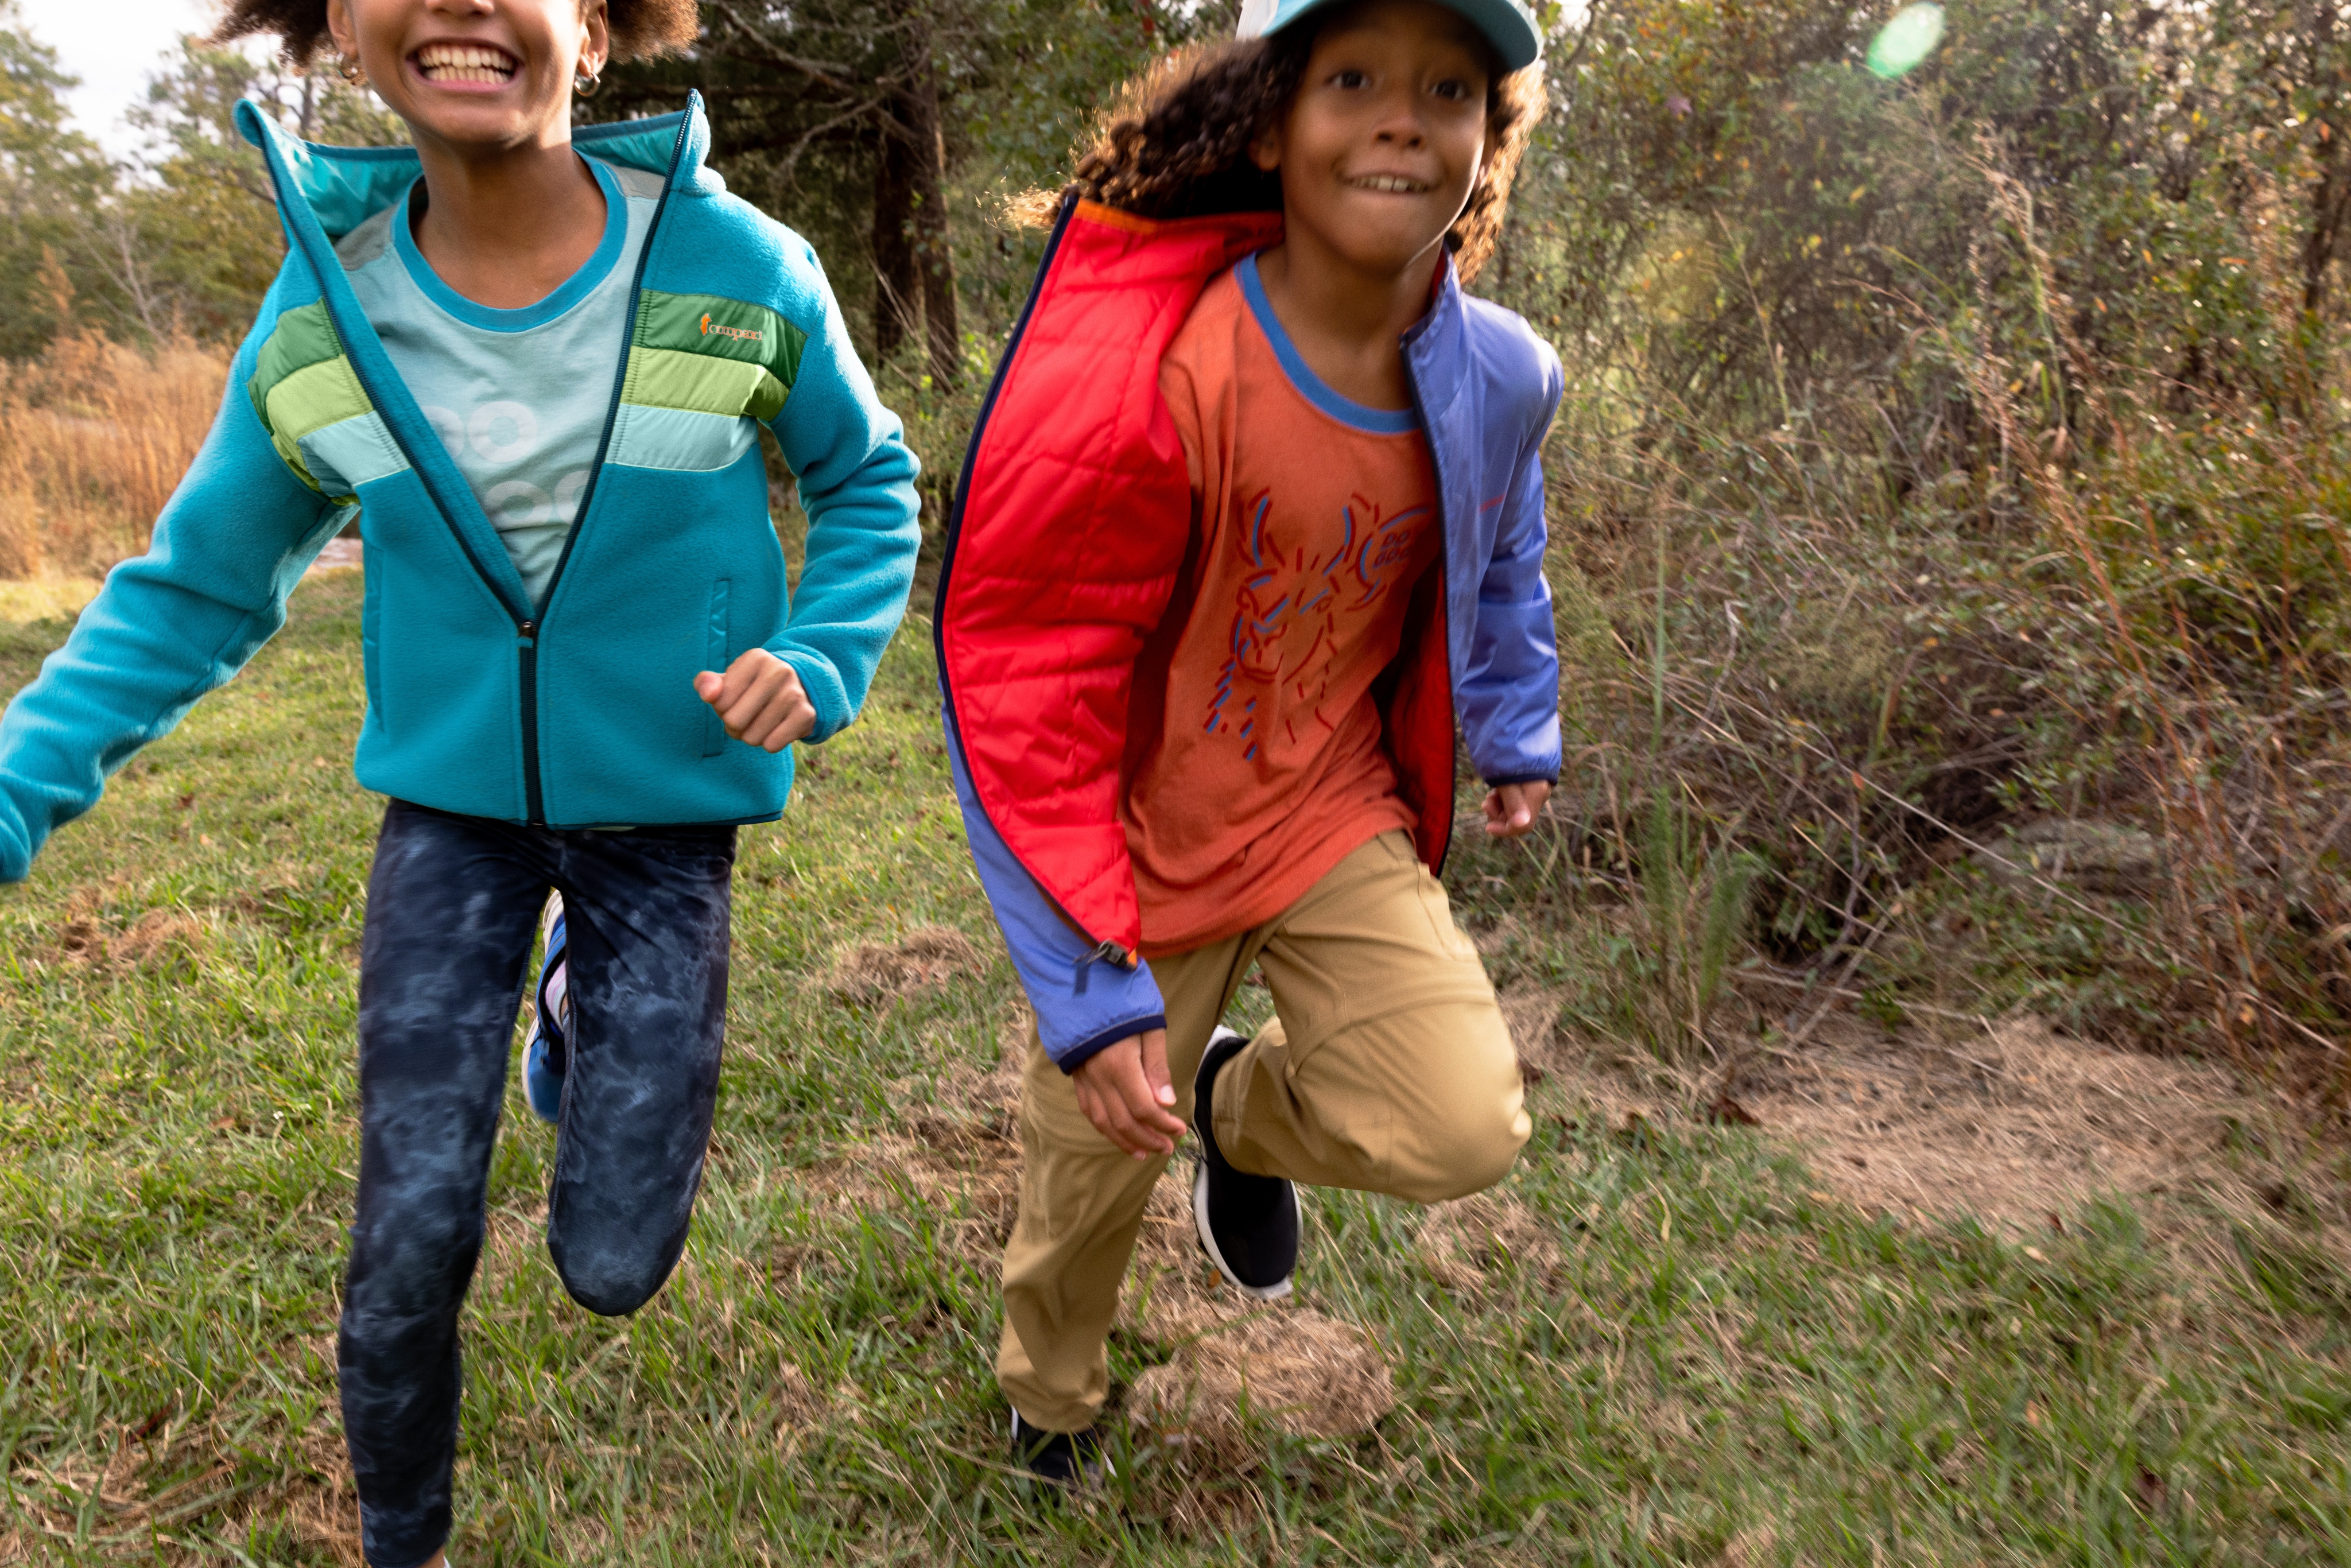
(345, 186)
(1433, 347)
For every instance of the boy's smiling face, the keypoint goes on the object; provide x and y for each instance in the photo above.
(1383, 144)
(476, 74)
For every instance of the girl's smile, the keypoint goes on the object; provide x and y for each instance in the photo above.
(464, 64)
(475, 78)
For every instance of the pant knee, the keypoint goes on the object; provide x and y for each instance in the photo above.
(611, 1281)
(1464, 1146)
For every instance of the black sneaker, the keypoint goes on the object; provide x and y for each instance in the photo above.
(1065, 1458)
(1248, 1224)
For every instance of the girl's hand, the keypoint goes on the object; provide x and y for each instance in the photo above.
(1124, 1093)
(759, 699)
(1511, 810)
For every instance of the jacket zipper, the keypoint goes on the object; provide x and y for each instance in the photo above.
(1103, 950)
(527, 622)
(528, 632)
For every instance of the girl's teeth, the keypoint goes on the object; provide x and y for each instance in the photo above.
(447, 62)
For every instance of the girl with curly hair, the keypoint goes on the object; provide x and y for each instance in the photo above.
(536, 361)
(1252, 519)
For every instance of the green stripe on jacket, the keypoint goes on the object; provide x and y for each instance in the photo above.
(693, 352)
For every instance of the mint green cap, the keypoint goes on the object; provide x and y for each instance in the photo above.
(1506, 23)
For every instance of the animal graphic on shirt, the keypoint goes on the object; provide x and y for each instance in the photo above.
(1296, 609)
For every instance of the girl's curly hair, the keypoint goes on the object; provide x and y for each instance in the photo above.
(1176, 143)
(641, 28)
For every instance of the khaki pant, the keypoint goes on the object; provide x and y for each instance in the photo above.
(1389, 1069)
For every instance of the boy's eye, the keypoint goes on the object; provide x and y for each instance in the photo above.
(1452, 91)
(1350, 80)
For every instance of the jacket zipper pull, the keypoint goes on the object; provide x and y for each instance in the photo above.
(527, 632)
(1110, 953)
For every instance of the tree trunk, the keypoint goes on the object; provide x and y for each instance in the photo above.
(2330, 198)
(897, 285)
(934, 254)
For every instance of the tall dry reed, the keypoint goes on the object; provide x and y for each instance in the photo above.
(94, 437)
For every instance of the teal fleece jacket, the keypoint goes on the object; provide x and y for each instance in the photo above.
(577, 711)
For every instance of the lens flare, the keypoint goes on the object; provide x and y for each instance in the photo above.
(1909, 38)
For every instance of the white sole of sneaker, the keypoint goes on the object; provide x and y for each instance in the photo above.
(1272, 1293)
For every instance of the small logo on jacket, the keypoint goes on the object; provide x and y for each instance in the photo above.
(724, 330)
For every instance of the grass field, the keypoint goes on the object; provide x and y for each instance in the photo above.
(1679, 1351)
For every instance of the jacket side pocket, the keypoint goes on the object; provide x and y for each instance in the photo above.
(716, 657)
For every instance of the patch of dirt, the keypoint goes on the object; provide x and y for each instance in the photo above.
(1291, 1367)
(342, 554)
(2014, 1126)
(2007, 1121)
(961, 1148)
(1467, 1242)
(84, 938)
(879, 973)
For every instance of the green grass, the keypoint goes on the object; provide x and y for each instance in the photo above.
(1722, 1367)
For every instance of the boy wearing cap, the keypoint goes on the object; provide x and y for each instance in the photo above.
(1253, 518)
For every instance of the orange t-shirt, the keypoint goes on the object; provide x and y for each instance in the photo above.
(1255, 756)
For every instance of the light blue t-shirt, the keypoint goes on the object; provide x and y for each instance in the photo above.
(519, 397)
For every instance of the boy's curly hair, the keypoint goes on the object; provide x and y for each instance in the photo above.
(1176, 143)
(641, 28)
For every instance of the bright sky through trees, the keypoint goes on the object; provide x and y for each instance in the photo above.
(114, 45)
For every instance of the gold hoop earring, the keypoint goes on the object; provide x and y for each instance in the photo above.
(586, 86)
(347, 67)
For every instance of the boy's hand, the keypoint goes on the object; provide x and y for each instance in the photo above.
(1511, 809)
(1124, 1093)
(759, 699)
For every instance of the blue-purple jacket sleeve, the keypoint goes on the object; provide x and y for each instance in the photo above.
(1507, 698)
(1084, 1003)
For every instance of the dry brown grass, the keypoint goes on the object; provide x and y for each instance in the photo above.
(878, 973)
(94, 437)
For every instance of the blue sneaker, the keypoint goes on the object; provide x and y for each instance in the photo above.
(543, 1054)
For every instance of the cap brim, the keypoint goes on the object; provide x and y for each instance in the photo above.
(1505, 25)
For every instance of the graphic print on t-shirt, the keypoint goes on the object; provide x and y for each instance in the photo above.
(1261, 760)
(520, 398)
(503, 435)
(1294, 608)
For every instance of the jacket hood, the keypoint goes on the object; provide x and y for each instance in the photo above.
(345, 186)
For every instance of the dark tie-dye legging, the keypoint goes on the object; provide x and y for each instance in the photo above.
(453, 906)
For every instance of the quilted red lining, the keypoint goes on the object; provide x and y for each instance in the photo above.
(1075, 521)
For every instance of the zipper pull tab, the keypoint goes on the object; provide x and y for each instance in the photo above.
(526, 632)
(1108, 953)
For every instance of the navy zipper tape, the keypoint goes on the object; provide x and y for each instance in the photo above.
(534, 791)
(946, 566)
(628, 343)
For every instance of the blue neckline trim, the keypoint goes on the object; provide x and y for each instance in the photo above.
(1313, 388)
(574, 288)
